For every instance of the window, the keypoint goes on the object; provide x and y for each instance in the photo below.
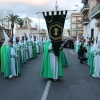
(26, 23)
(74, 33)
(79, 25)
(79, 18)
(92, 33)
(73, 26)
(73, 19)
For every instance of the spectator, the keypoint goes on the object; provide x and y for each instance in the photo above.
(81, 53)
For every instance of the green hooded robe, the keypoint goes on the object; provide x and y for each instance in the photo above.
(3, 57)
(34, 50)
(46, 70)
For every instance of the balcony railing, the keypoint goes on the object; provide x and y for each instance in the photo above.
(77, 28)
(73, 21)
(85, 9)
(95, 12)
(78, 21)
(85, 21)
(82, 1)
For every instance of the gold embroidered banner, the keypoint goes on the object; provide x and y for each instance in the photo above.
(55, 25)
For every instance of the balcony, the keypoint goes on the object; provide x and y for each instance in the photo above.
(73, 34)
(85, 9)
(85, 21)
(77, 29)
(76, 22)
(73, 22)
(95, 12)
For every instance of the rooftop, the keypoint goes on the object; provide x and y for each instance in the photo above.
(26, 27)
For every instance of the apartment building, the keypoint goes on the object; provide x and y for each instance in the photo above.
(91, 18)
(76, 28)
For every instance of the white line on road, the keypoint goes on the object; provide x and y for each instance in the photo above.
(72, 52)
(45, 93)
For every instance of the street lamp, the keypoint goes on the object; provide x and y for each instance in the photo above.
(8, 23)
(56, 6)
(77, 7)
(39, 23)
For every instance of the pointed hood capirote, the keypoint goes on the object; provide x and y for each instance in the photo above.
(45, 39)
(99, 37)
(20, 39)
(38, 38)
(98, 42)
(95, 44)
(86, 40)
(48, 39)
(28, 38)
(6, 38)
(14, 39)
(24, 38)
(32, 38)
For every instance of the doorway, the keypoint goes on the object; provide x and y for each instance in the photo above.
(92, 34)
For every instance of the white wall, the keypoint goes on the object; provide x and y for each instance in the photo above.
(84, 33)
(92, 26)
(26, 31)
(18, 32)
(86, 30)
(73, 26)
(73, 33)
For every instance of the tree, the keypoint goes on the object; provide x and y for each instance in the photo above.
(20, 22)
(3, 18)
(13, 19)
(68, 30)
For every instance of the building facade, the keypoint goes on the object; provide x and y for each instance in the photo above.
(65, 34)
(43, 33)
(76, 28)
(91, 18)
(28, 29)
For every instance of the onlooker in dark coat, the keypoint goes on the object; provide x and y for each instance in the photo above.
(81, 52)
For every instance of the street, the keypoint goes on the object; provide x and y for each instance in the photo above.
(76, 83)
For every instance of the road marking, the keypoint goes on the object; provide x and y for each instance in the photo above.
(45, 93)
(72, 52)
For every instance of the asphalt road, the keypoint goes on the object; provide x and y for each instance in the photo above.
(76, 83)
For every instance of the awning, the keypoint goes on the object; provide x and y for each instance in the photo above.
(80, 32)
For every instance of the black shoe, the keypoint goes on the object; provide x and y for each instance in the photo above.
(81, 62)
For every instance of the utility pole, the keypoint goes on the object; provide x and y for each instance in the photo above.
(39, 23)
(77, 7)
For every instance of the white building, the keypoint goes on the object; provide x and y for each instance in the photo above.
(76, 28)
(26, 28)
(65, 34)
(91, 13)
(43, 33)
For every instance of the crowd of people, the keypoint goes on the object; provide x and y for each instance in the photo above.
(88, 50)
(68, 43)
(15, 52)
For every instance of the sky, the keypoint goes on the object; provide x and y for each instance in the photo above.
(29, 8)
